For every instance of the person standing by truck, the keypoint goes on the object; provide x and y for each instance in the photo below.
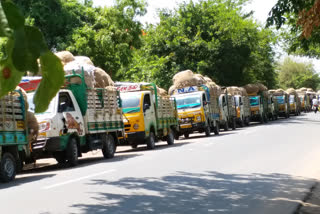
(315, 105)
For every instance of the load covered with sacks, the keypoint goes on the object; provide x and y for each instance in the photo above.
(279, 92)
(255, 88)
(95, 77)
(187, 79)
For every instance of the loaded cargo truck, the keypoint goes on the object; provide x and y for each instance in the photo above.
(78, 120)
(14, 143)
(148, 117)
(198, 110)
(272, 107)
(227, 109)
(258, 107)
(283, 105)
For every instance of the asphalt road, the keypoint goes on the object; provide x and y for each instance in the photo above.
(254, 170)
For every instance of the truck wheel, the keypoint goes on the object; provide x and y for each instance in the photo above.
(72, 152)
(186, 135)
(261, 119)
(226, 126)
(265, 118)
(234, 124)
(207, 130)
(60, 157)
(151, 141)
(170, 137)
(109, 147)
(134, 146)
(216, 129)
(7, 167)
(176, 135)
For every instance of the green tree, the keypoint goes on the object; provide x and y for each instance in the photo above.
(107, 35)
(22, 46)
(213, 38)
(297, 75)
(302, 21)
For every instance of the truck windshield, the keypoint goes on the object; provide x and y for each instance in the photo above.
(254, 101)
(280, 99)
(130, 102)
(188, 102)
(32, 106)
(237, 101)
(291, 99)
(301, 98)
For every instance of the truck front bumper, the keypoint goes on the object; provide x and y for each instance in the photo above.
(51, 144)
(135, 138)
(191, 127)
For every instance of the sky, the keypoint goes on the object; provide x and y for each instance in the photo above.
(260, 8)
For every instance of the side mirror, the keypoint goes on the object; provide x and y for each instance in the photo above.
(205, 103)
(146, 106)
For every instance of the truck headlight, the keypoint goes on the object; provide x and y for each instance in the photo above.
(44, 126)
(136, 126)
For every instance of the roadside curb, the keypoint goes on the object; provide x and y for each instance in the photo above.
(311, 202)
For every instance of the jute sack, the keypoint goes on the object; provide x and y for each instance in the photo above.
(162, 92)
(184, 79)
(83, 60)
(102, 79)
(33, 126)
(251, 88)
(171, 89)
(77, 68)
(243, 91)
(207, 79)
(279, 92)
(234, 90)
(111, 88)
(65, 57)
(291, 91)
(199, 79)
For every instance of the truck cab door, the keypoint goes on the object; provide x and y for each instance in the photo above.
(70, 114)
(205, 105)
(148, 113)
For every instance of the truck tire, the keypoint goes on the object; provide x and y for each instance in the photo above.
(216, 129)
(151, 141)
(134, 146)
(176, 135)
(60, 157)
(234, 124)
(170, 137)
(207, 130)
(186, 135)
(265, 118)
(261, 119)
(226, 126)
(72, 152)
(7, 167)
(109, 147)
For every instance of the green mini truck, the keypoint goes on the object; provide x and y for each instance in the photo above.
(14, 145)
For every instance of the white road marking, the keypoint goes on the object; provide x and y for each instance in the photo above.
(78, 179)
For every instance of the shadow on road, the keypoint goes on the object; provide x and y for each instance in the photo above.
(144, 148)
(83, 162)
(23, 180)
(210, 192)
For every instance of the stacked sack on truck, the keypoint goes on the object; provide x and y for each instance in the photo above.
(292, 91)
(32, 123)
(94, 77)
(187, 78)
(257, 88)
